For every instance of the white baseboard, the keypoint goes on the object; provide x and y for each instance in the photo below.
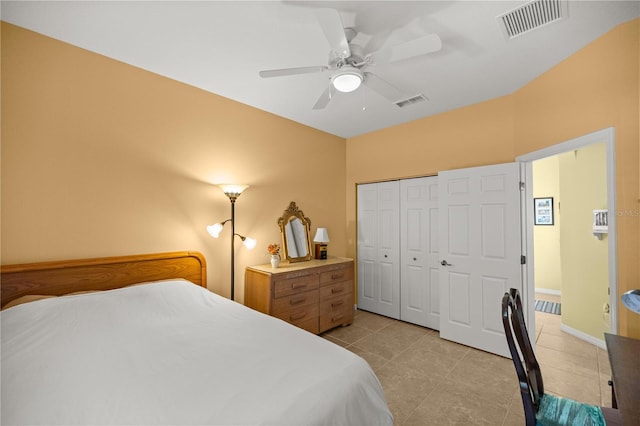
(583, 336)
(548, 291)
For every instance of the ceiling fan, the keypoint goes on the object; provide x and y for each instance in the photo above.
(348, 62)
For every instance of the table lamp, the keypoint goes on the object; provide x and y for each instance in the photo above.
(321, 239)
(631, 300)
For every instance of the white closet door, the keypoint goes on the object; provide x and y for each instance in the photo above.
(378, 248)
(419, 285)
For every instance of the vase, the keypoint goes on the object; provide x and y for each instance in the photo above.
(275, 260)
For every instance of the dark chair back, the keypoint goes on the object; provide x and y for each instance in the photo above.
(524, 359)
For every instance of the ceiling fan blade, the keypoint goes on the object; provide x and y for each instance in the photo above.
(409, 49)
(292, 71)
(333, 29)
(383, 88)
(324, 99)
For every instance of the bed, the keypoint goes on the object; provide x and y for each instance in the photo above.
(139, 340)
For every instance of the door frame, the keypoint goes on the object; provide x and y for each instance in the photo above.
(607, 136)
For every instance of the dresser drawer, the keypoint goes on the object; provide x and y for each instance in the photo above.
(297, 316)
(287, 303)
(336, 275)
(337, 289)
(288, 286)
(336, 311)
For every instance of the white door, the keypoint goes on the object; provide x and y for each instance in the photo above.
(378, 248)
(480, 252)
(419, 286)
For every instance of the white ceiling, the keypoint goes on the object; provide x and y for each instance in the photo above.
(220, 46)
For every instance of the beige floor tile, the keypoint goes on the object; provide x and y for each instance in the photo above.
(375, 361)
(422, 358)
(372, 321)
(431, 381)
(570, 385)
(548, 297)
(569, 344)
(453, 404)
(603, 361)
(569, 362)
(348, 335)
(515, 415)
(405, 389)
(391, 340)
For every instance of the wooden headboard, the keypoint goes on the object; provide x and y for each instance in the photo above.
(105, 273)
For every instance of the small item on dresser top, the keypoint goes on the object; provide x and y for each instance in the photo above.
(321, 239)
(274, 251)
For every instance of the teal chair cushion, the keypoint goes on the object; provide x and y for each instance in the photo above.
(557, 411)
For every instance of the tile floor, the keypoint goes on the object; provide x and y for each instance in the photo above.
(432, 381)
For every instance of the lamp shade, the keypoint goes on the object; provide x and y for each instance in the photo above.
(232, 189)
(347, 79)
(249, 243)
(322, 236)
(214, 230)
(631, 300)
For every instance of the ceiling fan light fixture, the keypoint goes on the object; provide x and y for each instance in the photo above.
(347, 79)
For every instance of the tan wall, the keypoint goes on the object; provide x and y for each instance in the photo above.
(100, 158)
(594, 89)
(548, 262)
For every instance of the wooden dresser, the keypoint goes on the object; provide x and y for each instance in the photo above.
(316, 295)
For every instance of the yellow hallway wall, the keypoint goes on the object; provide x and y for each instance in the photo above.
(593, 89)
(548, 261)
(100, 158)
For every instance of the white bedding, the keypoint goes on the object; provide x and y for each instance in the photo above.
(174, 353)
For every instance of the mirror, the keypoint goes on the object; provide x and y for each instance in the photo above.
(295, 229)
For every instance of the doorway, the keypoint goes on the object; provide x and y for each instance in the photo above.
(608, 244)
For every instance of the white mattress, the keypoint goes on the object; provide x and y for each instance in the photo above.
(174, 353)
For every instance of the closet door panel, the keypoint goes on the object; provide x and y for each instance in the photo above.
(433, 256)
(418, 207)
(367, 246)
(388, 249)
(378, 245)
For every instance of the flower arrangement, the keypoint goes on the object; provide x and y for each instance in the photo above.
(273, 249)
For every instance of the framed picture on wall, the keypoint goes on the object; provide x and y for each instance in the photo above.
(601, 221)
(543, 211)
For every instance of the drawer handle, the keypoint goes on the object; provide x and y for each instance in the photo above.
(297, 317)
(338, 303)
(336, 276)
(336, 318)
(336, 290)
(297, 301)
(296, 286)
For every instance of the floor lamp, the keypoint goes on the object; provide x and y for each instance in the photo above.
(232, 191)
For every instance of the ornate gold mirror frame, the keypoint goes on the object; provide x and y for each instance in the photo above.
(295, 229)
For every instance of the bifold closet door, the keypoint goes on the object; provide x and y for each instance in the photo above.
(379, 248)
(419, 267)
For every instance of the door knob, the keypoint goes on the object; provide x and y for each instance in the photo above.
(445, 263)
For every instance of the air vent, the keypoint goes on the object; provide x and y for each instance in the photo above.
(410, 101)
(532, 15)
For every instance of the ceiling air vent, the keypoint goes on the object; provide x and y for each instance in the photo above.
(410, 101)
(532, 15)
